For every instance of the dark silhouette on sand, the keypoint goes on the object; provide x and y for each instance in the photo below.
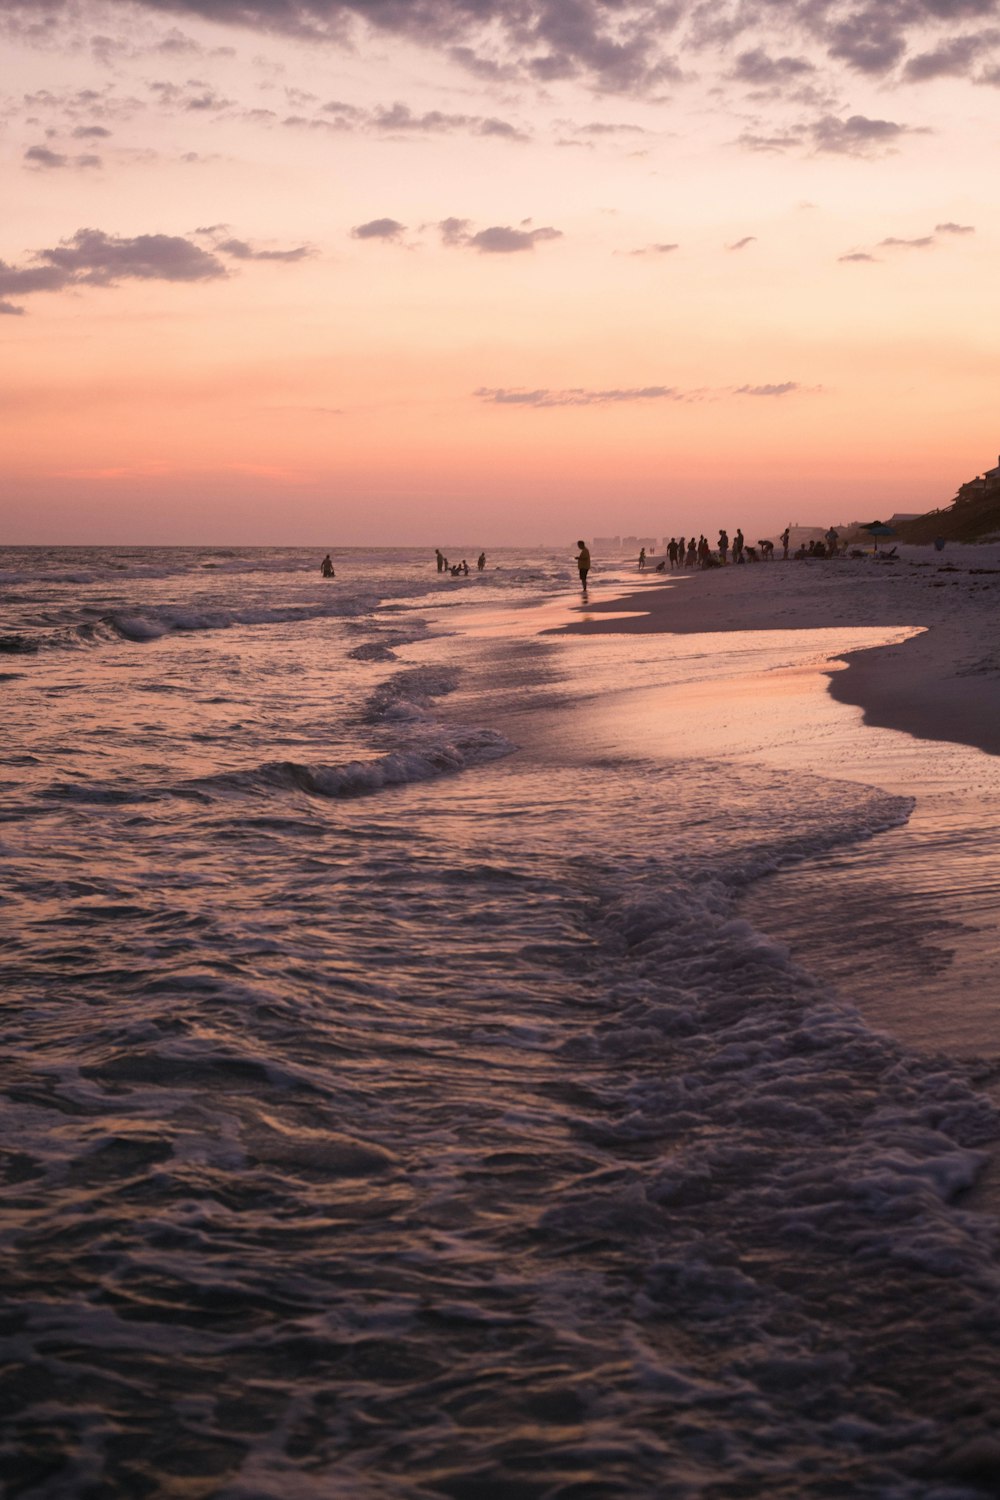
(583, 563)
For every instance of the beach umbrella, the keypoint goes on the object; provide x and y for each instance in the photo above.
(877, 529)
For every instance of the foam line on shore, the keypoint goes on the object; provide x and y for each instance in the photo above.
(939, 684)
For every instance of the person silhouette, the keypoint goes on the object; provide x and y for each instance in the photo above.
(326, 567)
(583, 563)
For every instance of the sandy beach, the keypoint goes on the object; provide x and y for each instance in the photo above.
(940, 683)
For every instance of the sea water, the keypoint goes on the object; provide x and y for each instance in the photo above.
(398, 1100)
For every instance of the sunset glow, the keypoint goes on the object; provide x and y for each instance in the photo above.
(373, 273)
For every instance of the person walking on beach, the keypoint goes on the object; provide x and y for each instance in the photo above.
(723, 546)
(832, 538)
(681, 553)
(738, 541)
(326, 567)
(785, 537)
(672, 551)
(692, 553)
(583, 563)
(642, 559)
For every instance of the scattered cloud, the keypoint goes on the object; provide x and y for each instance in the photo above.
(91, 258)
(193, 96)
(42, 159)
(924, 242)
(577, 396)
(748, 239)
(241, 250)
(786, 141)
(869, 40)
(498, 239)
(454, 231)
(761, 70)
(955, 57)
(19, 281)
(224, 242)
(783, 389)
(917, 242)
(654, 250)
(379, 229)
(399, 119)
(395, 120)
(581, 396)
(857, 135)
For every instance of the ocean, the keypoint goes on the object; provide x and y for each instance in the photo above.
(404, 1092)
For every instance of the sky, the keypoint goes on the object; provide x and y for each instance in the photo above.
(491, 272)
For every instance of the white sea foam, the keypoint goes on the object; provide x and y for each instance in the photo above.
(463, 1140)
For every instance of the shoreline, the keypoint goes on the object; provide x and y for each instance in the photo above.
(941, 681)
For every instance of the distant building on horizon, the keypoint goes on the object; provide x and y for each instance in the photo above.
(981, 485)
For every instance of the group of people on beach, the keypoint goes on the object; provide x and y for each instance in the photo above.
(457, 570)
(681, 553)
(687, 552)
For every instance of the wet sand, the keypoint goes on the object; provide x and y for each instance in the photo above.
(940, 684)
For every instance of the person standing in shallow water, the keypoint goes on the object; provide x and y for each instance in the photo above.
(481, 561)
(442, 561)
(326, 567)
(583, 563)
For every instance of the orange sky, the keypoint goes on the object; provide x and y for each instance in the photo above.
(538, 275)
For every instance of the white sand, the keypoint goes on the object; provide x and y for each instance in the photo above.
(941, 684)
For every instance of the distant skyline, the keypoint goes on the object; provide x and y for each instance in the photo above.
(356, 271)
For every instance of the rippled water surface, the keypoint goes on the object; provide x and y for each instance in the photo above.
(397, 1098)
